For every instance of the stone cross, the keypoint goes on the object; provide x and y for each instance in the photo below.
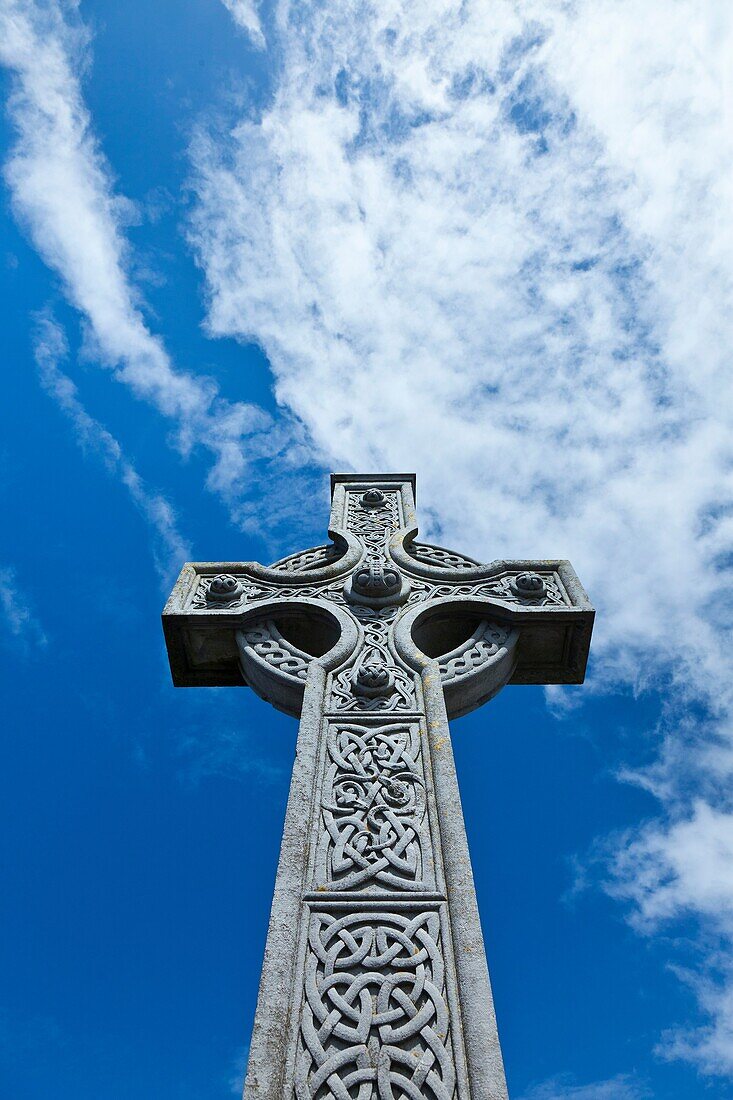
(375, 984)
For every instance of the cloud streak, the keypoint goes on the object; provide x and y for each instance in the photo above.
(622, 1087)
(485, 242)
(63, 193)
(246, 15)
(16, 616)
(169, 547)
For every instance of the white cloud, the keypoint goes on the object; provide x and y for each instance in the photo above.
(246, 15)
(686, 870)
(491, 242)
(169, 548)
(710, 1046)
(63, 192)
(622, 1087)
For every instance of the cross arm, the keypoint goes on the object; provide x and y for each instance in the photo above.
(554, 634)
(476, 646)
(448, 596)
(212, 603)
(543, 600)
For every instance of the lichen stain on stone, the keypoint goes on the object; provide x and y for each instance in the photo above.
(438, 745)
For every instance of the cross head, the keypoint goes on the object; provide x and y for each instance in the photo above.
(375, 984)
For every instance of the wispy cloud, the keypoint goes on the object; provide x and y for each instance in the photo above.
(489, 242)
(710, 1045)
(169, 547)
(245, 14)
(622, 1087)
(238, 1071)
(219, 751)
(17, 618)
(64, 193)
(686, 870)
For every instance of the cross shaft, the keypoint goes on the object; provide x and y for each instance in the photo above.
(375, 984)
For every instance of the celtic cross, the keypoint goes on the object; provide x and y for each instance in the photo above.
(375, 984)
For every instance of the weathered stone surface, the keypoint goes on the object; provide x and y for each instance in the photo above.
(375, 984)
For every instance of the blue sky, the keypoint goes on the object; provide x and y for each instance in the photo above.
(243, 246)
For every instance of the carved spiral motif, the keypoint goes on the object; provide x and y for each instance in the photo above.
(372, 498)
(529, 585)
(224, 587)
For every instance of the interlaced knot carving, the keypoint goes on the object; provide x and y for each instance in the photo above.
(373, 521)
(346, 696)
(502, 587)
(372, 680)
(375, 1022)
(373, 809)
(438, 555)
(270, 646)
(485, 643)
(315, 558)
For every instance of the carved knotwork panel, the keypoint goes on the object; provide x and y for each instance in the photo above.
(270, 646)
(373, 522)
(438, 555)
(249, 592)
(400, 691)
(375, 1022)
(374, 827)
(205, 597)
(484, 643)
(502, 587)
(315, 558)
